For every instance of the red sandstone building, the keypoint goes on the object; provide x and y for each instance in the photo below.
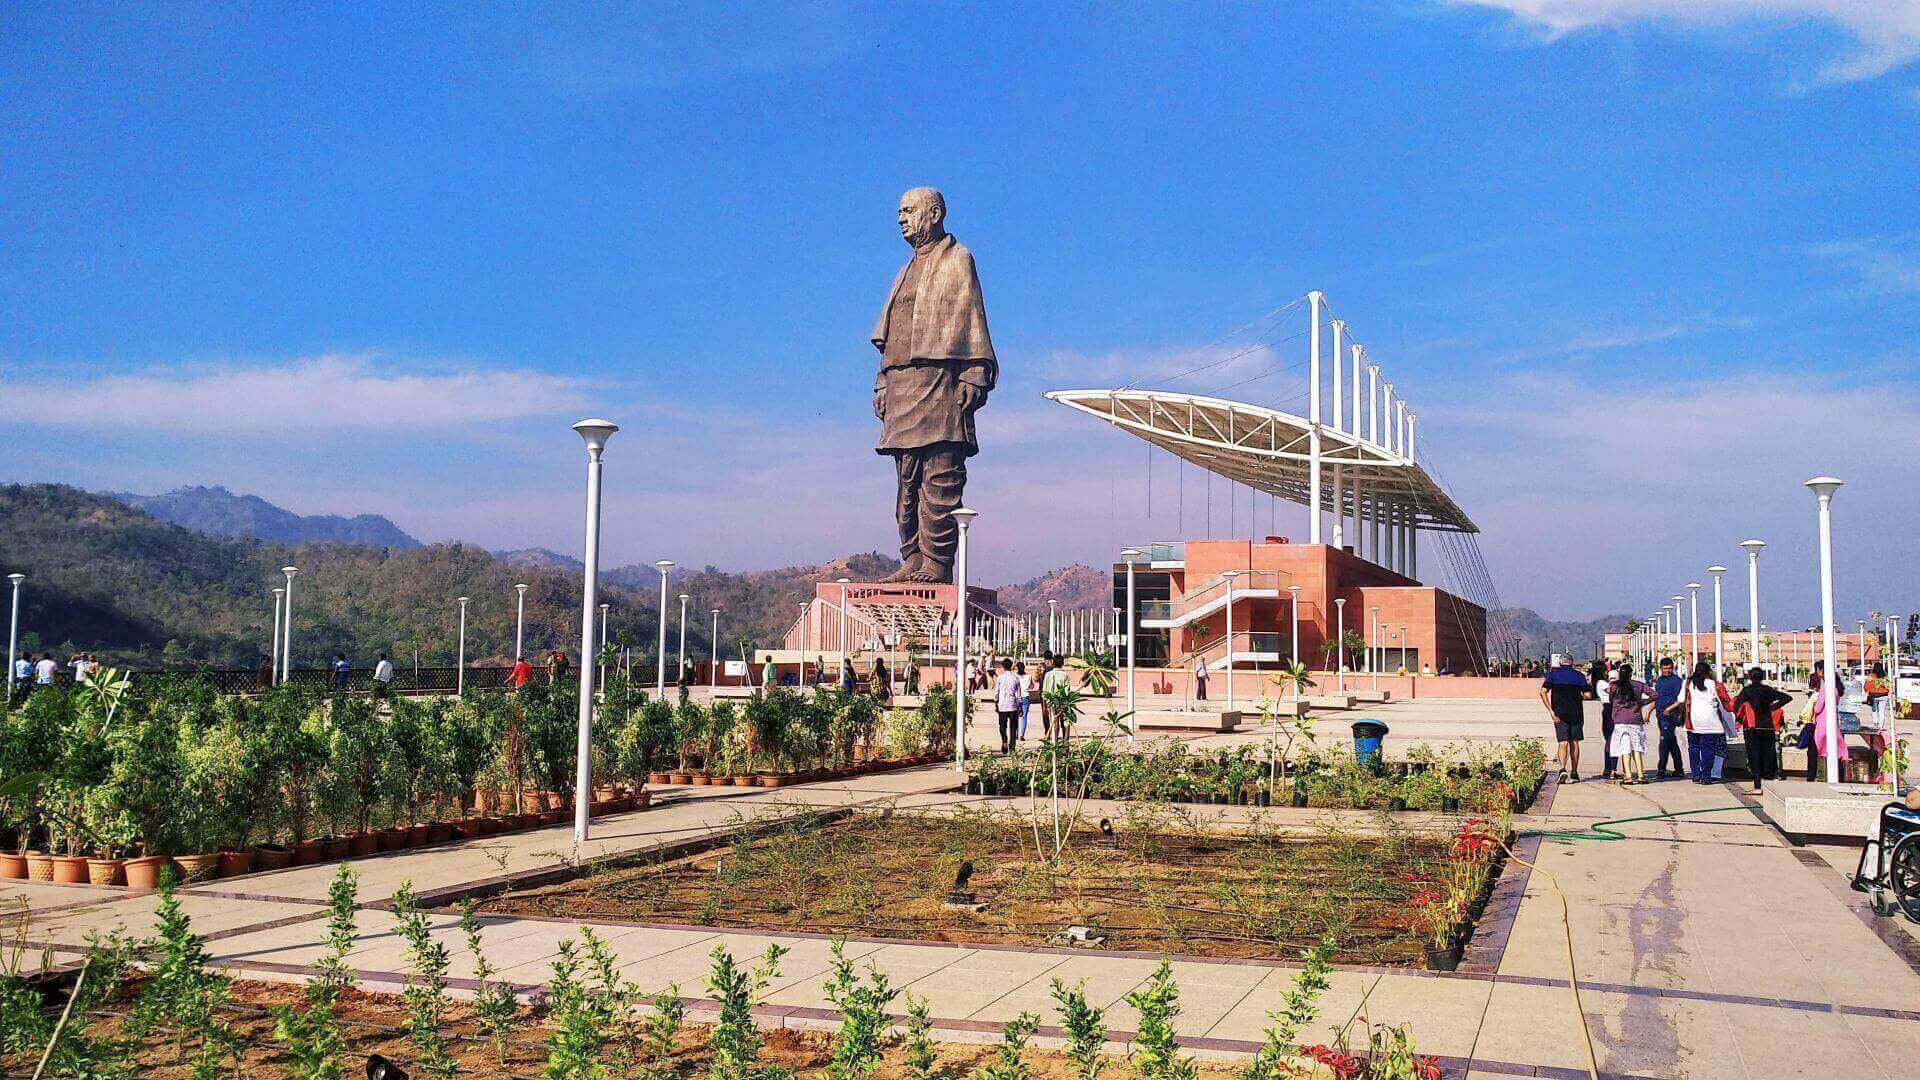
(1182, 591)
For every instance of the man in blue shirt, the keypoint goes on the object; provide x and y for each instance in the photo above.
(1564, 693)
(1669, 711)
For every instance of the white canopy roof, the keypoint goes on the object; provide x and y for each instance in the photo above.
(1270, 451)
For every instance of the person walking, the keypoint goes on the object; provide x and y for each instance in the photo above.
(22, 674)
(1669, 712)
(45, 671)
(264, 679)
(1813, 737)
(1629, 703)
(1602, 689)
(557, 666)
(341, 669)
(1563, 693)
(847, 677)
(881, 681)
(382, 676)
(1199, 679)
(1709, 708)
(521, 674)
(1006, 701)
(1055, 679)
(1760, 710)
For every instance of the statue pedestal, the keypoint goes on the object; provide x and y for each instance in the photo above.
(904, 610)
(870, 593)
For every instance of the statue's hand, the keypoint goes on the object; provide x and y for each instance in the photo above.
(971, 397)
(880, 404)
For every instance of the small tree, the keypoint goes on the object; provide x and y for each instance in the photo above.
(1156, 1050)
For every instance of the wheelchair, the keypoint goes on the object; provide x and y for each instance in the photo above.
(1889, 870)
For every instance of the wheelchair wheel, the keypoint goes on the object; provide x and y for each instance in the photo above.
(1903, 876)
(1881, 901)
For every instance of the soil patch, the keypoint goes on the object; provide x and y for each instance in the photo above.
(1150, 887)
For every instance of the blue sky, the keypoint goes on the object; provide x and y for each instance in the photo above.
(1641, 265)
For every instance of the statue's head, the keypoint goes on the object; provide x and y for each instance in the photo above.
(922, 211)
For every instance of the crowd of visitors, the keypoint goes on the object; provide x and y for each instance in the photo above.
(1697, 704)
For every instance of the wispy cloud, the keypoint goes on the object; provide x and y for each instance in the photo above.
(604, 52)
(1606, 339)
(337, 392)
(1885, 34)
(1879, 266)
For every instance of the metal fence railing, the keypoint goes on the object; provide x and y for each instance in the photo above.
(428, 680)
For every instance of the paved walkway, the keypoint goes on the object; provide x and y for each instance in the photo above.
(1706, 946)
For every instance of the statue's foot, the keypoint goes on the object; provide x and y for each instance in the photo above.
(932, 573)
(906, 571)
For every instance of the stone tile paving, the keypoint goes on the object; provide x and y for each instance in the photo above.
(1706, 946)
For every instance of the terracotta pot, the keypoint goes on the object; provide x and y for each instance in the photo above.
(235, 863)
(605, 794)
(39, 866)
(271, 857)
(699, 779)
(106, 871)
(196, 867)
(335, 848)
(439, 832)
(642, 799)
(13, 865)
(554, 800)
(392, 839)
(659, 778)
(69, 870)
(552, 817)
(308, 852)
(469, 828)
(770, 780)
(679, 778)
(362, 844)
(144, 872)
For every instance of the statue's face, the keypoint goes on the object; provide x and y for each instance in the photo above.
(919, 219)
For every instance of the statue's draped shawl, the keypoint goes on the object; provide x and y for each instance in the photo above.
(949, 316)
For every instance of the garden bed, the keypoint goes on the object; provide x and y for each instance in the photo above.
(1151, 886)
(1478, 779)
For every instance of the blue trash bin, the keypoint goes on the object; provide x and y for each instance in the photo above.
(1369, 741)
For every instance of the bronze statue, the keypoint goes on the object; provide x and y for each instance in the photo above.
(936, 369)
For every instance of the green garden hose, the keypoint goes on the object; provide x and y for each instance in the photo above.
(1599, 831)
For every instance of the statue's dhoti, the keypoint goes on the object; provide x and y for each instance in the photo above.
(931, 480)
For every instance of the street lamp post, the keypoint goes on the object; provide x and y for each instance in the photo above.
(1133, 718)
(1230, 575)
(660, 671)
(1293, 614)
(273, 646)
(286, 628)
(1403, 650)
(1693, 644)
(964, 516)
(595, 433)
(460, 668)
(12, 631)
(683, 637)
(713, 653)
(1373, 649)
(1053, 624)
(843, 582)
(1719, 644)
(1339, 644)
(601, 653)
(1753, 595)
(1893, 696)
(1823, 489)
(519, 620)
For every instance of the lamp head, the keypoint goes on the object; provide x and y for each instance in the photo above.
(1693, 586)
(520, 588)
(1293, 588)
(277, 590)
(684, 598)
(664, 565)
(289, 570)
(1129, 554)
(16, 578)
(1753, 546)
(595, 432)
(1230, 574)
(843, 581)
(965, 515)
(604, 607)
(1340, 601)
(463, 601)
(1824, 486)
